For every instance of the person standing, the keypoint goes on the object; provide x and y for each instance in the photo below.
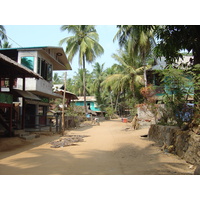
(134, 123)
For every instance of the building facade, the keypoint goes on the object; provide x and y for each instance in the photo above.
(42, 61)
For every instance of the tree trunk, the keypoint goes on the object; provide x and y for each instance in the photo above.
(145, 76)
(84, 84)
(116, 104)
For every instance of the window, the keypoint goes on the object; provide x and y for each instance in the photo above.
(49, 72)
(39, 66)
(28, 62)
(44, 69)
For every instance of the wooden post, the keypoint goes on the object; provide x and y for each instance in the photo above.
(57, 125)
(23, 106)
(63, 107)
(10, 123)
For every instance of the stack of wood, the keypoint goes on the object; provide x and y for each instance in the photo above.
(67, 141)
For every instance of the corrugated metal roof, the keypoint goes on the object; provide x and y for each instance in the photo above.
(88, 98)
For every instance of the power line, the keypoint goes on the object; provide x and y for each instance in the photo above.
(14, 41)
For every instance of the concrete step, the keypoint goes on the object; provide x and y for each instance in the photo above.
(21, 132)
(28, 137)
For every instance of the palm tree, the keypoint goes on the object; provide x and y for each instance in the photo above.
(98, 76)
(128, 76)
(139, 40)
(79, 83)
(6, 45)
(57, 79)
(2, 34)
(85, 42)
(130, 73)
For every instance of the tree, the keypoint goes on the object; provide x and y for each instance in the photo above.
(6, 45)
(98, 77)
(3, 36)
(79, 83)
(129, 72)
(85, 42)
(57, 79)
(172, 39)
(177, 86)
(126, 79)
(139, 40)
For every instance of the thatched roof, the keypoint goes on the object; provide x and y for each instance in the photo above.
(10, 68)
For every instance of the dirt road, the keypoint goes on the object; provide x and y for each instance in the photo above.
(109, 149)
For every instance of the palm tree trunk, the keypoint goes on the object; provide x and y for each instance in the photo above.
(116, 104)
(145, 76)
(84, 84)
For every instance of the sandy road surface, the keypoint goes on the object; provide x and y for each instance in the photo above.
(108, 149)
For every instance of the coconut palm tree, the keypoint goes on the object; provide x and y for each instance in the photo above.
(98, 76)
(84, 42)
(79, 83)
(127, 77)
(130, 73)
(6, 45)
(57, 79)
(139, 40)
(3, 36)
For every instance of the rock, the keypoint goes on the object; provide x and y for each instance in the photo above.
(197, 170)
(191, 167)
(171, 148)
(185, 144)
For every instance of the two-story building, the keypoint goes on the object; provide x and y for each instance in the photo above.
(9, 72)
(43, 61)
(154, 78)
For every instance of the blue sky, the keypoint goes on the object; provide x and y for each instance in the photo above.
(50, 35)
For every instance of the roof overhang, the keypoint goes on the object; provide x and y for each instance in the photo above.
(68, 94)
(55, 54)
(10, 68)
(48, 95)
(26, 94)
(88, 98)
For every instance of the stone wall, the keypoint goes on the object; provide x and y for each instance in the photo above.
(186, 144)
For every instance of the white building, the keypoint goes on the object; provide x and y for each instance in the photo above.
(43, 61)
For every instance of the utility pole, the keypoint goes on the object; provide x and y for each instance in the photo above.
(63, 104)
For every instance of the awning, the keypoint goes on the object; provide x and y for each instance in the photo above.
(26, 94)
(51, 96)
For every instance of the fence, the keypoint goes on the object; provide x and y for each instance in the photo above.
(50, 123)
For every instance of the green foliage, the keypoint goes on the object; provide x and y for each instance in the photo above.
(174, 38)
(57, 79)
(109, 112)
(3, 36)
(85, 42)
(177, 87)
